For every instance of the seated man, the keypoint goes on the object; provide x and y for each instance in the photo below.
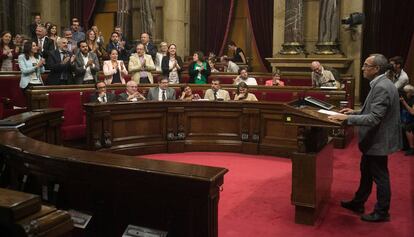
(244, 77)
(131, 93)
(101, 96)
(322, 77)
(162, 92)
(216, 93)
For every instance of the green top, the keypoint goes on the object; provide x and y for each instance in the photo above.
(200, 78)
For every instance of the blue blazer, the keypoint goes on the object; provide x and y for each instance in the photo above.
(27, 68)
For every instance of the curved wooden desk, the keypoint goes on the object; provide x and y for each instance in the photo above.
(247, 127)
(117, 190)
(180, 198)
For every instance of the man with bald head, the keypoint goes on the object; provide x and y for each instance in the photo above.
(379, 135)
(322, 77)
(150, 48)
(131, 93)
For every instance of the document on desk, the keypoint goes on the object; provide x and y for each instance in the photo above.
(328, 112)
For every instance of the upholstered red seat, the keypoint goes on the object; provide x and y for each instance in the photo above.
(73, 126)
(11, 95)
(279, 96)
(297, 81)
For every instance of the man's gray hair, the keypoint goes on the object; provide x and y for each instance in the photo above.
(409, 89)
(381, 61)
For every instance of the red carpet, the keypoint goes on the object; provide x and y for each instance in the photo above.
(256, 196)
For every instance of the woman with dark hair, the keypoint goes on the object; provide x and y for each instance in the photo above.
(53, 35)
(114, 69)
(187, 94)
(172, 65)
(7, 52)
(242, 93)
(31, 65)
(199, 69)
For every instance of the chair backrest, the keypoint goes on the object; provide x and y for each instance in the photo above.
(71, 102)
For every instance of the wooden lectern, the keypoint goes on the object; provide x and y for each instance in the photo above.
(312, 163)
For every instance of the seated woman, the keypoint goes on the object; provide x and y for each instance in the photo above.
(199, 69)
(114, 69)
(275, 80)
(407, 117)
(31, 65)
(242, 93)
(212, 64)
(187, 94)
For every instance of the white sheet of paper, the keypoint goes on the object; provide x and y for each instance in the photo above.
(324, 111)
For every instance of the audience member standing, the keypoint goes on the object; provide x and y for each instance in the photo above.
(18, 43)
(141, 65)
(238, 54)
(379, 128)
(86, 65)
(163, 52)
(244, 77)
(44, 43)
(32, 27)
(149, 47)
(59, 63)
(123, 39)
(199, 69)
(93, 46)
(67, 33)
(407, 116)
(77, 34)
(99, 37)
(115, 44)
(7, 52)
(398, 75)
(31, 65)
(53, 35)
(172, 65)
(114, 69)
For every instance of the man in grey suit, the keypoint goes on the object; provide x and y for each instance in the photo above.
(379, 136)
(86, 65)
(162, 92)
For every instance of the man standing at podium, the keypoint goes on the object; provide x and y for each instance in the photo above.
(379, 136)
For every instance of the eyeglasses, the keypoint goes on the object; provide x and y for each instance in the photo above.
(368, 65)
(101, 87)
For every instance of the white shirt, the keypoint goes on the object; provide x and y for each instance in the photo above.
(88, 75)
(249, 81)
(402, 80)
(103, 99)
